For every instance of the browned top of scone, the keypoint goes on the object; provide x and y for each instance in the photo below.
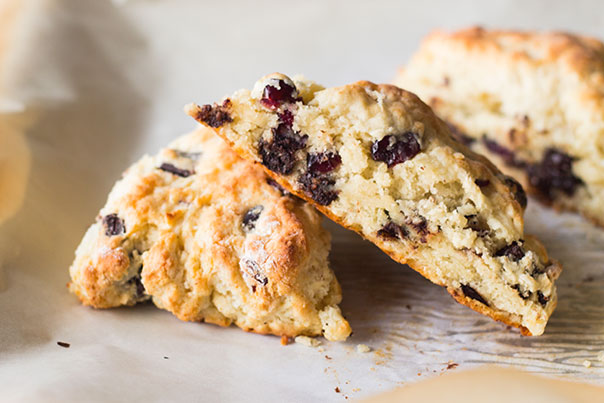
(208, 236)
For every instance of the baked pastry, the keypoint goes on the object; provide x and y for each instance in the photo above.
(209, 237)
(531, 102)
(375, 159)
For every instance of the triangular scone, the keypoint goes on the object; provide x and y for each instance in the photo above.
(376, 159)
(209, 237)
(532, 102)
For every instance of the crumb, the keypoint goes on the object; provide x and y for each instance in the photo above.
(587, 364)
(372, 369)
(327, 357)
(409, 307)
(452, 365)
(337, 389)
(166, 358)
(321, 349)
(307, 341)
(356, 389)
(363, 348)
(419, 374)
(285, 340)
(63, 344)
(601, 356)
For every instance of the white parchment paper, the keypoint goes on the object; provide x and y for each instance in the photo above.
(88, 86)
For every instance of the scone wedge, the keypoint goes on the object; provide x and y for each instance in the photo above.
(209, 237)
(532, 102)
(375, 159)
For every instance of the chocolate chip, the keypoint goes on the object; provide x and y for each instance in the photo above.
(472, 293)
(554, 174)
(255, 272)
(63, 344)
(250, 217)
(279, 154)
(522, 295)
(319, 188)
(459, 135)
(394, 149)
(280, 188)
(174, 170)
(517, 190)
(322, 163)
(113, 225)
(508, 156)
(286, 117)
(512, 251)
(393, 231)
(477, 225)
(420, 225)
(215, 115)
(140, 288)
(482, 182)
(274, 96)
(543, 300)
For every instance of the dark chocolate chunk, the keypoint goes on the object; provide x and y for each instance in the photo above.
(394, 231)
(508, 156)
(482, 182)
(174, 170)
(140, 288)
(526, 295)
(250, 217)
(554, 174)
(512, 251)
(477, 225)
(279, 154)
(472, 293)
(322, 163)
(215, 115)
(280, 188)
(63, 344)
(517, 190)
(286, 117)
(255, 272)
(459, 135)
(420, 225)
(113, 225)
(394, 149)
(273, 97)
(543, 300)
(319, 188)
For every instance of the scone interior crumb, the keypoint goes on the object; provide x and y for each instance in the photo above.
(375, 159)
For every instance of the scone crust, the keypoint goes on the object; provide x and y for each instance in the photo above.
(406, 106)
(206, 236)
(529, 92)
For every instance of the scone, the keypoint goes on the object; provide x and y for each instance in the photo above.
(209, 237)
(376, 159)
(532, 102)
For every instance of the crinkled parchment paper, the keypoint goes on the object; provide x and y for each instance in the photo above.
(88, 86)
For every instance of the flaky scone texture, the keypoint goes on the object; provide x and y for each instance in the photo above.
(209, 237)
(532, 102)
(375, 159)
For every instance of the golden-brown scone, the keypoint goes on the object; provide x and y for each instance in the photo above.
(209, 237)
(532, 102)
(375, 159)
